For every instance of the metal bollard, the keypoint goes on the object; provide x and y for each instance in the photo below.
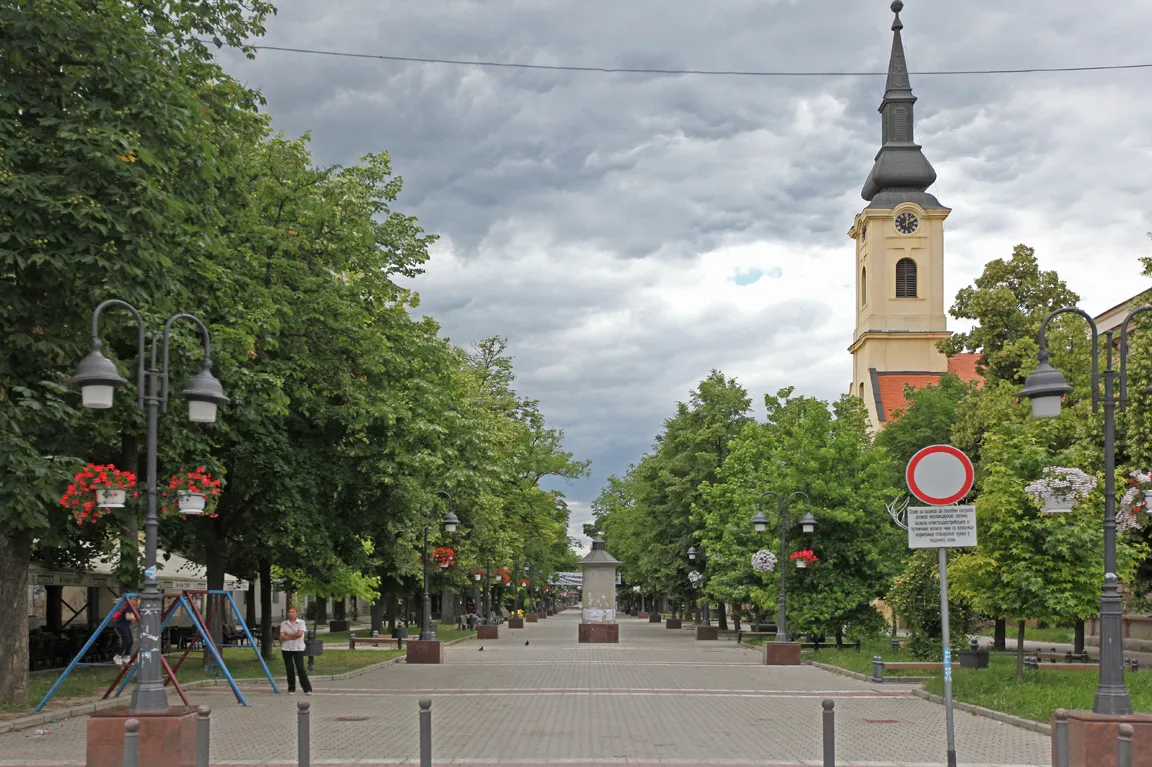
(1124, 746)
(740, 636)
(352, 641)
(303, 741)
(202, 736)
(132, 743)
(877, 669)
(829, 733)
(1061, 751)
(425, 732)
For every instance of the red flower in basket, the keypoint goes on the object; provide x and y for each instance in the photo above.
(196, 493)
(444, 556)
(96, 490)
(804, 557)
(502, 575)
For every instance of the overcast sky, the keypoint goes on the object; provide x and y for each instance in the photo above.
(629, 232)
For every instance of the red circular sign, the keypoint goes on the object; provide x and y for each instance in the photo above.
(940, 475)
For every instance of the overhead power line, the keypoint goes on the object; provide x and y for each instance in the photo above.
(655, 71)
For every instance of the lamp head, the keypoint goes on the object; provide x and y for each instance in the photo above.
(451, 521)
(759, 522)
(1046, 387)
(807, 522)
(692, 553)
(204, 394)
(98, 379)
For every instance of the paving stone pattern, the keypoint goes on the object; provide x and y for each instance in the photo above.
(658, 697)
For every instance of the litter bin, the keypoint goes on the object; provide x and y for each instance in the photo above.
(400, 633)
(974, 657)
(312, 648)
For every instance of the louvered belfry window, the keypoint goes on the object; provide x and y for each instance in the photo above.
(906, 278)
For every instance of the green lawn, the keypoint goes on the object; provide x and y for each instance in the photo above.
(1055, 635)
(445, 632)
(89, 683)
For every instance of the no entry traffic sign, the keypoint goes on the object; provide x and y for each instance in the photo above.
(940, 475)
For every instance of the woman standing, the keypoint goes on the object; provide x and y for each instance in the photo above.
(292, 648)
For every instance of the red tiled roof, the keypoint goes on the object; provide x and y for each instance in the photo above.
(891, 385)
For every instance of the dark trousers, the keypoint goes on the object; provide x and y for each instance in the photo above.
(295, 658)
(124, 630)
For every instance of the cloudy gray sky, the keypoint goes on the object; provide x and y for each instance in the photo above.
(629, 232)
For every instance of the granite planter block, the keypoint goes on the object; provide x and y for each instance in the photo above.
(425, 651)
(642, 616)
(515, 623)
(541, 615)
(1092, 739)
(487, 632)
(707, 632)
(167, 738)
(673, 623)
(655, 618)
(781, 653)
(599, 633)
(531, 618)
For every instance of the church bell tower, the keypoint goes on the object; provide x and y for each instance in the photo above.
(899, 240)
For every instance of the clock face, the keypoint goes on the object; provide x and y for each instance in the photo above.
(907, 223)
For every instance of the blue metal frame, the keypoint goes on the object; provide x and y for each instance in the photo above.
(251, 640)
(83, 651)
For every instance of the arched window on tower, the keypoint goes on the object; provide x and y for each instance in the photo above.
(861, 390)
(864, 286)
(906, 278)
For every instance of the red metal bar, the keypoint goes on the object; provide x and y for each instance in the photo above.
(124, 669)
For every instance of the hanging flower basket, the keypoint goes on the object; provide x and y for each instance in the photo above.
(695, 578)
(96, 490)
(444, 556)
(1138, 496)
(804, 558)
(502, 576)
(1060, 489)
(763, 561)
(478, 575)
(196, 493)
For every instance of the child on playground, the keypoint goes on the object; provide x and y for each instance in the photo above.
(292, 648)
(122, 621)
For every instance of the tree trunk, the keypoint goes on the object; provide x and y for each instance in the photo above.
(321, 610)
(93, 610)
(265, 567)
(722, 616)
(1000, 635)
(1020, 650)
(15, 552)
(214, 603)
(1078, 638)
(393, 609)
(377, 612)
(54, 608)
(250, 603)
(840, 637)
(340, 609)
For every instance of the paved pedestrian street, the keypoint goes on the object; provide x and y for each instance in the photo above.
(658, 697)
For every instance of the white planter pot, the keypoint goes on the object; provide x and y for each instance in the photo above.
(190, 503)
(443, 565)
(801, 563)
(1057, 504)
(1148, 501)
(111, 499)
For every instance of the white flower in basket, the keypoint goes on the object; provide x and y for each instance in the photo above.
(695, 578)
(763, 561)
(1059, 488)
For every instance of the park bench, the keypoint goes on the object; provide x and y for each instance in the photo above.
(879, 666)
(353, 640)
(815, 646)
(1035, 664)
(1066, 657)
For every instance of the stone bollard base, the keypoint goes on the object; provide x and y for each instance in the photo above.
(673, 623)
(1092, 739)
(425, 651)
(531, 618)
(642, 616)
(515, 623)
(167, 738)
(599, 633)
(706, 633)
(487, 632)
(781, 653)
(654, 618)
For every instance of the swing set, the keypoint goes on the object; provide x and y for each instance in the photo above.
(186, 601)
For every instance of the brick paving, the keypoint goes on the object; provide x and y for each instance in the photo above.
(657, 698)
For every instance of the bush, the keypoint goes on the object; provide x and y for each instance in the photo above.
(915, 597)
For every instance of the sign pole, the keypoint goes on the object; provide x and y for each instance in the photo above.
(945, 630)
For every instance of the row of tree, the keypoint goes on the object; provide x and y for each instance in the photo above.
(707, 471)
(134, 167)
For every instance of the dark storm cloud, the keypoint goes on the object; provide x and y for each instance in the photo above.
(599, 220)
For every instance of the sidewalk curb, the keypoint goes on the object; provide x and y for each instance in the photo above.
(987, 713)
(72, 712)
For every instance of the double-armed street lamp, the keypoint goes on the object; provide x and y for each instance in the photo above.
(1046, 387)
(529, 605)
(98, 380)
(450, 521)
(760, 523)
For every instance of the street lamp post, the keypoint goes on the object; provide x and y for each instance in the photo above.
(98, 380)
(450, 521)
(529, 602)
(783, 517)
(1045, 387)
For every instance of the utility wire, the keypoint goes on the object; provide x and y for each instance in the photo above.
(653, 71)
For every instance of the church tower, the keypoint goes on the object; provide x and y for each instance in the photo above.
(899, 258)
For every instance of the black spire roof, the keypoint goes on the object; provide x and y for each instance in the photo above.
(901, 172)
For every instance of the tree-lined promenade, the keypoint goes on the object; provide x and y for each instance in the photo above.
(134, 168)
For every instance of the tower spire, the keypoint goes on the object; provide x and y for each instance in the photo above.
(901, 172)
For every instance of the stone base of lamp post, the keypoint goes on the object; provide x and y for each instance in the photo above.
(541, 615)
(487, 632)
(167, 738)
(1092, 739)
(707, 632)
(531, 618)
(599, 633)
(642, 616)
(515, 623)
(781, 653)
(654, 618)
(673, 623)
(425, 651)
